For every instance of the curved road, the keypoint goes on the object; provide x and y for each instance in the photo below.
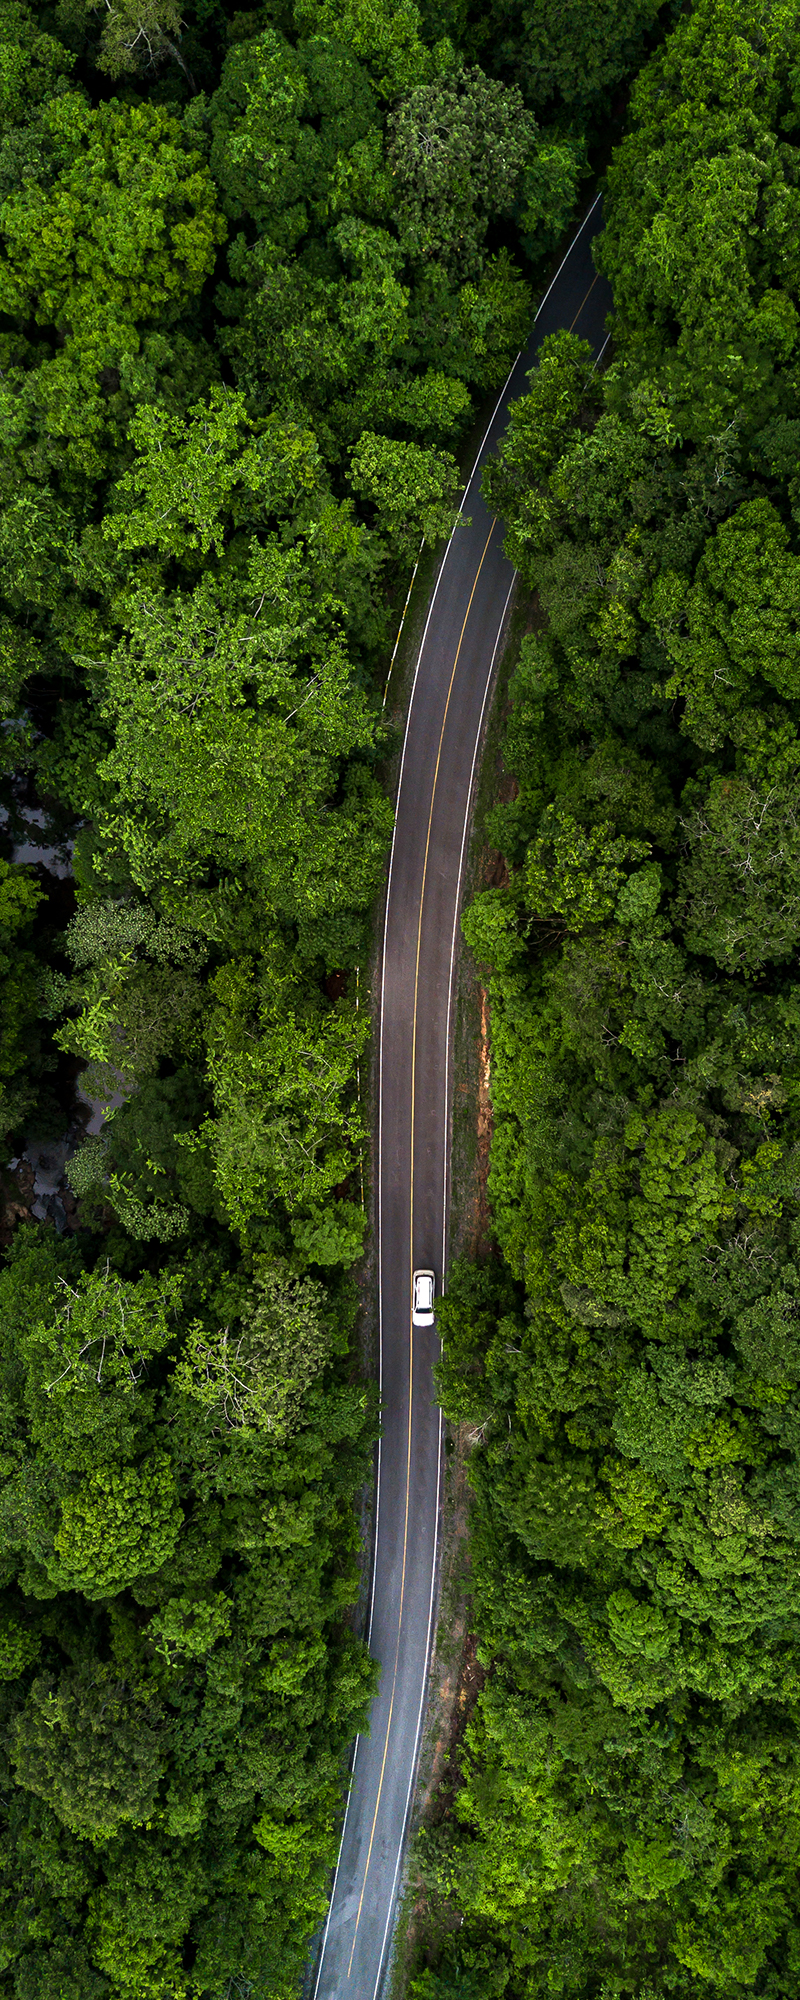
(443, 733)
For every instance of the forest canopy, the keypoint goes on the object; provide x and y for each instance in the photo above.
(258, 270)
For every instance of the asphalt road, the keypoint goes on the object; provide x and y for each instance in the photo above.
(443, 735)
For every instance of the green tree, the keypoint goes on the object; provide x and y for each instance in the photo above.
(35, 67)
(120, 1524)
(137, 990)
(286, 1125)
(742, 621)
(91, 1744)
(138, 36)
(115, 229)
(458, 150)
(384, 35)
(198, 478)
(410, 488)
(255, 1377)
(740, 903)
(295, 129)
(540, 425)
(225, 748)
(698, 184)
(574, 60)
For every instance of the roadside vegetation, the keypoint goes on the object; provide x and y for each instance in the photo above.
(627, 1814)
(258, 269)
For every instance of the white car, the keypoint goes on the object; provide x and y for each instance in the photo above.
(424, 1290)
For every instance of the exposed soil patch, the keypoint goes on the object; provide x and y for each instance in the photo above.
(481, 1232)
(508, 786)
(494, 873)
(471, 1682)
(336, 985)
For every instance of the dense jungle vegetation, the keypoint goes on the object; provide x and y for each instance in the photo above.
(257, 271)
(627, 1818)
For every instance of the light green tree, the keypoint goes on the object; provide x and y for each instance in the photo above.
(253, 1376)
(413, 490)
(385, 35)
(121, 1523)
(115, 230)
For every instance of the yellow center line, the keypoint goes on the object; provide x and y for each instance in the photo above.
(583, 301)
(411, 1320)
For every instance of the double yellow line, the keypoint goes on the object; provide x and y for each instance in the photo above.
(411, 1241)
(411, 1247)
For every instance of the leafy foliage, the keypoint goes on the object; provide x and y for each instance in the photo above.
(256, 270)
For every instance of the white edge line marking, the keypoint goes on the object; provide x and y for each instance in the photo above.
(435, 592)
(390, 1911)
(336, 1869)
(599, 357)
(420, 1716)
(402, 621)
